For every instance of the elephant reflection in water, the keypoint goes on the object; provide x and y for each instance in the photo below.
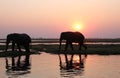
(20, 40)
(18, 65)
(72, 66)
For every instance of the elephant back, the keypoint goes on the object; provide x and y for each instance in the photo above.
(18, 38)
(72, 36)
(25, 38)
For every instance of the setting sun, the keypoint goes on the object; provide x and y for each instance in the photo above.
(77, 27)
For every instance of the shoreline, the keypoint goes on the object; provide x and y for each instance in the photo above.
(99, 49)
(92, 49)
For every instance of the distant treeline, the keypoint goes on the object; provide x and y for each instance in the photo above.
(103, 40)
(55, 40)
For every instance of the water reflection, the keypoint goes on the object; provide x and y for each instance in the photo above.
(72, 65)
(18, 65)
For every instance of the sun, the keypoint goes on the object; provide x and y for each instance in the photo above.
(77, 27)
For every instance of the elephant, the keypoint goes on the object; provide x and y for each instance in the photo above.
(20, 40)
(71, 37)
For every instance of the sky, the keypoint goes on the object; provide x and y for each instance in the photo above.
(48, 18)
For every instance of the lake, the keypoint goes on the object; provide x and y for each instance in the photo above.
(47, 65)
(56, 41)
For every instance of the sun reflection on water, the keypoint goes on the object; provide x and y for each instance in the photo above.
(72, 66)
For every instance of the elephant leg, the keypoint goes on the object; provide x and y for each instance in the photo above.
(27, 47)
(13, 46)
(6, 46)
(13, 63)
(67, 61)
(18, 61)
(71, 60)
(71, 46)
(85, 49)
(66, 46)
(85, 46)
(19, 47)
(80, 46)
(60, 44)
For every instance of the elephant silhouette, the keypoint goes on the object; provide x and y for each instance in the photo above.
(71, 37)
(20, 40)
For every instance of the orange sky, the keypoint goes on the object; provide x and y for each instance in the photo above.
(47, 18)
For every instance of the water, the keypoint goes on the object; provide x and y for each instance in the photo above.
(56, 42)
(103, 43)
(55, 66)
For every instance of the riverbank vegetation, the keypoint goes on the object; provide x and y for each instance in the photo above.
(92, 49)
(100, 46)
